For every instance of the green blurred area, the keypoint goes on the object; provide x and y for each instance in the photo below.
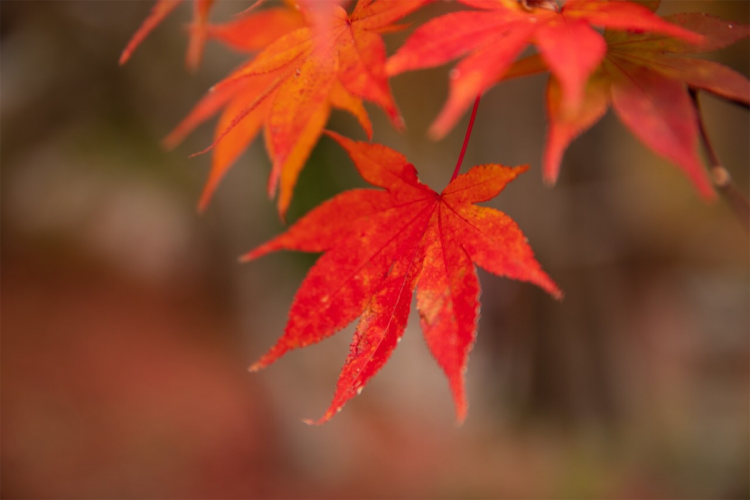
(127, 323)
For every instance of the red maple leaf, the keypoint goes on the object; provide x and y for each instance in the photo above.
(495, 36)
(645, 78)
(380, 245)
(160, 10)
(290, 87)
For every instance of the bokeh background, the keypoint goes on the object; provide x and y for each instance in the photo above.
(127, 323)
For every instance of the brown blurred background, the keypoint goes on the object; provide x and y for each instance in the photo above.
(127, 324)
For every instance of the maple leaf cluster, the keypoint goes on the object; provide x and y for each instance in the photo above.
(380, 246)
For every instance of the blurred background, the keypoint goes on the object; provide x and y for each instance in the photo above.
(127, 323)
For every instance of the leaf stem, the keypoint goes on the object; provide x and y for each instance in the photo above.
(719, 175)
(466, 138)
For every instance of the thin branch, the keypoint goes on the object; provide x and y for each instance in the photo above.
(466, 138)
(719, 175)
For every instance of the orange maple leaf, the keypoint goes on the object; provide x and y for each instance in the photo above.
(250, 32)
(645, 78)
(160, 10)
(290, 87)
(253, 30)
(496, 35)
(380, 245)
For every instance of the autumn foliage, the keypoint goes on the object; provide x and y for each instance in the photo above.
(381, 246)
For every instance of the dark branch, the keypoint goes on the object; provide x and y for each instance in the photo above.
(719, 175)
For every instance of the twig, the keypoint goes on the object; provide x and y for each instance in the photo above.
(719, 175)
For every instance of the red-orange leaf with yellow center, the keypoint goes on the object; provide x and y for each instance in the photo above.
(378, 246)
(160, 10)
(645, 79)
(290, 87)
(243, 98)
(495, 36)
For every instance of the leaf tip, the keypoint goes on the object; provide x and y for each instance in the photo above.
(243, 259)
(325, 418)
(442, 124)
(281, 207)
(549, 179)
(548, 285)
(170, 142)
(435, 134)
(344, 142)
(514, 172)
(332, 134)
(392, 67)
(398, 122)
(204, 200)
(461, 415)
(551, 166)
(267, 359)
(316, 423)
